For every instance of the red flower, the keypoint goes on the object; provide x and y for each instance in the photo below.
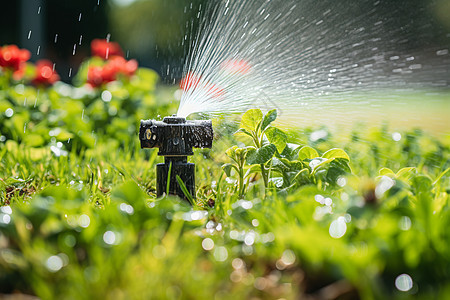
(45, 75)
(238, 66)
(122, 66)
(105, 49)
(98, 76)
(94, 76)
(215, 91)
(190, 81)
(13, 58)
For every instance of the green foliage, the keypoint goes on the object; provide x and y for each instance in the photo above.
(287, 216)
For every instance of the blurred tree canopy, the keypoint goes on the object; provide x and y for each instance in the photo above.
(157, 31)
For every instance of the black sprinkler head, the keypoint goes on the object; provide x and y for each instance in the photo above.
(175, 137)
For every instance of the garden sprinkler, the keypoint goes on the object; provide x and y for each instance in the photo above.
(175, 137)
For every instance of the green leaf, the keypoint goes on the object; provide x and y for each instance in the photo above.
(227, 169)
(307, 152)
(318, 162)
(406, 174)
(290, 151)
(262, 155)
(277, 137)
(302, 177)
(251, 119)
(385, 172)
(231, 152)
(336, 153)
(269, 118)
(242, 130)
(441, 175)
(252, 169)
(33, 140)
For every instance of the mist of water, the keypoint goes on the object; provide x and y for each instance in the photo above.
(306, 57)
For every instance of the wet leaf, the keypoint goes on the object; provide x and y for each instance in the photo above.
(336, 153)
(307, 152)
(227, 169)
(262, 155)
(251, 119)
(269, 118)
(277, 137)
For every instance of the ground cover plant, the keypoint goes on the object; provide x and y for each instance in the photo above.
(278, 213)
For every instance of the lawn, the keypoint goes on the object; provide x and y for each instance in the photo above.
(278, 213)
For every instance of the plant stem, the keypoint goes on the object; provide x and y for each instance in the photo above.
(264, 175)
(241, 181)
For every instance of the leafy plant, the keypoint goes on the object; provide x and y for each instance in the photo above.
(267, 140)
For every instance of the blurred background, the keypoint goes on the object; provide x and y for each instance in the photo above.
(157, 32)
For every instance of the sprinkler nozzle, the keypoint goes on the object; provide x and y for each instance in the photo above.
(175, 137)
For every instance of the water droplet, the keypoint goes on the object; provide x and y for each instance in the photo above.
(288, 257)
(70, 72)
(29, 34)
(84, 221)
(126, 208)
(38, 50)
(220, 253)
(56, 38)
(79, 18)
(341, 181)
(5, 219)
(109, 237)
(39, 10)
(249, 238)
(238, 263)
(404, 223)
(9, 112)
(442, 52)
(6, 209)
(396, 136)
(208, 244)
(404, 282)
(383, 186)
(106, 96)
(54, 263)
(338, 228)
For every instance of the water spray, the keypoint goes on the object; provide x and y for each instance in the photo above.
(175, 137)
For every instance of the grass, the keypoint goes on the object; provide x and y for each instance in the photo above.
(81, 219)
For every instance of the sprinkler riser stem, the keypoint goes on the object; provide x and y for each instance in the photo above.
(175, 137)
